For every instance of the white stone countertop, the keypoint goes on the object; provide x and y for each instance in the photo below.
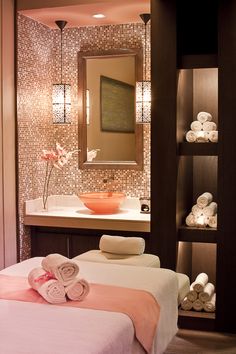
(68, 211)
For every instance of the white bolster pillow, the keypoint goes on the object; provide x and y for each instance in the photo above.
(122, 245)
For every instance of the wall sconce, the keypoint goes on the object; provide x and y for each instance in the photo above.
(61, 100)
(143, 88)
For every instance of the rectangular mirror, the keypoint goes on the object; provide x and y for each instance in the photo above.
(109, 137)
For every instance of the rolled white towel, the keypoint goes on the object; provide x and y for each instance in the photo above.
(204, 199)
(212, 222)
(200, 282)
(190, 220)
(210, 305)
(64, 269)
(204, 117)
(196, 126)
(192, 294)
(197, 211)
(197, 305)
(191, 136)
(213, 136)
(207, 292)
(186, 304)
(209, 126)
(201, 221)
(77, 290)
(122, 245)
(53, 291)
(210, 209)
(49, 288)
(202, 137)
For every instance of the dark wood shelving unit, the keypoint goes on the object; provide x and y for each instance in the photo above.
(198, 149)
(195, 234)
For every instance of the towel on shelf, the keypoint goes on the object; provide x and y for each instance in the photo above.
(202, 137)
(207, 292)
(210, 305)
(197, 305)
(204, 117)
(213, 136)
(212, 222)
(186, 304)
(190, 220)
(200, 282)
(191, 136)
(209, 126)
(77, 290)
(192, 294)
(196, 126)
(204, 199)
(210, 209)
(64, 269)
(50, 289)
(196, 210)
(122, 245)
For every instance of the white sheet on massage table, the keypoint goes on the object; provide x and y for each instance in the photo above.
(60, 330)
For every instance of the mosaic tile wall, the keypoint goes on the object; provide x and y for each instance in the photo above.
(38, 69)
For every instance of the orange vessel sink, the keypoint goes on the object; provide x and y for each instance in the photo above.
(102, 202)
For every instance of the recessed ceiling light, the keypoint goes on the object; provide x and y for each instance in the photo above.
(99, 16)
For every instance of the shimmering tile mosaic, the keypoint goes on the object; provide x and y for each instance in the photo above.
(38, 62)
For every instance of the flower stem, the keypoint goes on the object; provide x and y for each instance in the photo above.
(46, 184)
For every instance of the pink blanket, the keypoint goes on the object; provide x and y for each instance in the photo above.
(139, 305)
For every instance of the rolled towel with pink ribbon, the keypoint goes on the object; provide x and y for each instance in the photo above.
(63, 268)
(210, 209)
(196, 126)
(213, 136)
(186, 304)
(198, 305)
(190, 220)
(48, 287)
(204, 199)
(207, 292)
(192, 294)
(204, 117)
(210, 305)
(200, 282)
(77, 290)
(191, 136)
(209, 126)
(212, 221)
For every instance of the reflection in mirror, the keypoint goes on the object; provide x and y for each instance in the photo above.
(109, 135)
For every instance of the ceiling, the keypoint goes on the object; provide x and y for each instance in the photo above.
(79, 12)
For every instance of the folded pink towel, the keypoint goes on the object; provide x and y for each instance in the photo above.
(77, 290)
(63, 269)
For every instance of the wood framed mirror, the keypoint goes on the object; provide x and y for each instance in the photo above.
(109, 137)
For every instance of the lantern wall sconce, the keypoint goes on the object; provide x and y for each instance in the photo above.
(143, 88)
(61, 92)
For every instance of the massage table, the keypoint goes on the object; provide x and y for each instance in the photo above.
(53, 329)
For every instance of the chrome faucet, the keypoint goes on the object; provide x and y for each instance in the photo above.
(110, 184)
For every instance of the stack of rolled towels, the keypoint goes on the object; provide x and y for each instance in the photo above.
(57, 280)
(203, 213)
(201, 296)
(202, 129)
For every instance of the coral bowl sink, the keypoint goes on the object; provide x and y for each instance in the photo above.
(102, 202)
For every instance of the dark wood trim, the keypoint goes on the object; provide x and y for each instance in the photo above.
(202, 321)
(198, 61)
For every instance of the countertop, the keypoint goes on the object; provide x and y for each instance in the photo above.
(69, 212)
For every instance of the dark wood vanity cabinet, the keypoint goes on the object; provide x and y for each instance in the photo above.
(72, 242)
(193, 48)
